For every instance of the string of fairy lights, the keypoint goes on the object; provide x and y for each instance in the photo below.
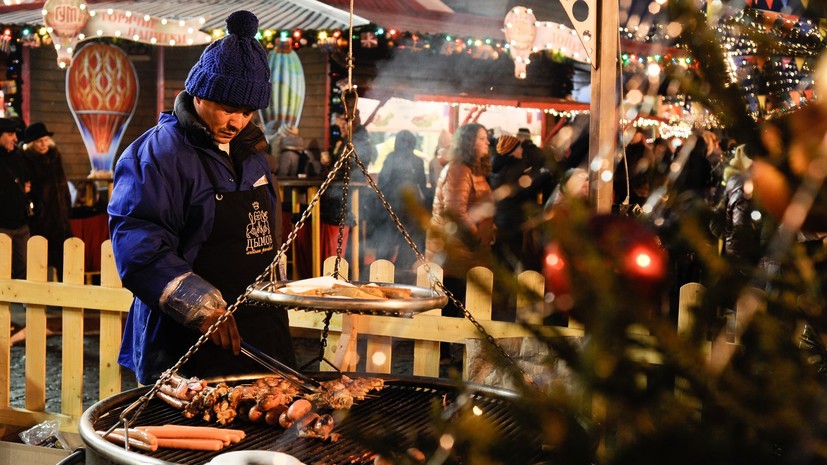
(774, 83)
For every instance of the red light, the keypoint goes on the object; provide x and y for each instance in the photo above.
(297, 33)
(555, 271)
(555, 261)
(644, 262)
(392, 32)
(337, 33)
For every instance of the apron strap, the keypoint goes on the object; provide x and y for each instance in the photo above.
(202, 157)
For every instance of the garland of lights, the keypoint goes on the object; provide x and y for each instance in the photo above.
(774, 75)
(782, 74)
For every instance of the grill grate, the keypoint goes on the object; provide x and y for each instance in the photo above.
(404, 405)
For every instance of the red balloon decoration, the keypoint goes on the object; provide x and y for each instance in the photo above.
(102, 91)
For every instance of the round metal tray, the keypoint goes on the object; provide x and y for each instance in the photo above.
(421, 300)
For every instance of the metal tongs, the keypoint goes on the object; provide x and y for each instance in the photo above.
(298, 379)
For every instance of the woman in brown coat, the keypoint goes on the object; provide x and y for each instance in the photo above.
(462, 223)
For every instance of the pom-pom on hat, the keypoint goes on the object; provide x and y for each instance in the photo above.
(233, 70)
(506, 144)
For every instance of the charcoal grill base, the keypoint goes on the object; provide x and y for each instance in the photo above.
(403, 405)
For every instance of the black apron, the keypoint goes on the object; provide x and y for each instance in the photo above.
(240, 247)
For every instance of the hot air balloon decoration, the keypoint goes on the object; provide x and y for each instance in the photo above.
(102, 91)
(287, 100)
(65, 19)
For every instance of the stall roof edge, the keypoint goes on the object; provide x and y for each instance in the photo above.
(283, 14)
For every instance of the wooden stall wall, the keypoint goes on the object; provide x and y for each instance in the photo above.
(314, 125)
(177, 64)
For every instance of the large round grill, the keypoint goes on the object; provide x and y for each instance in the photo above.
(404, 407)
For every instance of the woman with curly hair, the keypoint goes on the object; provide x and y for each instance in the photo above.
(462, 223)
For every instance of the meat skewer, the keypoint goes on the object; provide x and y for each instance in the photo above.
(271, 398)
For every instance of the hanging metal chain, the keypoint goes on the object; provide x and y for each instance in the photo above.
(343, 211)
(325, 330)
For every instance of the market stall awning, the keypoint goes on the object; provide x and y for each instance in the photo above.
(272, 14)
(425, 17)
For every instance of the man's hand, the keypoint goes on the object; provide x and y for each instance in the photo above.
(226, 335)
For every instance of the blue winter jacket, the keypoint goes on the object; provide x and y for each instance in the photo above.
(162, 209)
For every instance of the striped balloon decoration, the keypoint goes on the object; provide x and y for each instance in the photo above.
(287, 100)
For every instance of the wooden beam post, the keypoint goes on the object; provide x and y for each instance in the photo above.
(603, 130)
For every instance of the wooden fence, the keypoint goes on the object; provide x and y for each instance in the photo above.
(72, 297)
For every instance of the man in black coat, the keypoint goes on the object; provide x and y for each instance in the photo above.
(15, 184)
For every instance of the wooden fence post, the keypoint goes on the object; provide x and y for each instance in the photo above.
(480, 284)
(71, 388)
(111, 330)
(530, 303)
(5, 325)
(337, 344)
(379, 348)
(426, 353)
(36, 271)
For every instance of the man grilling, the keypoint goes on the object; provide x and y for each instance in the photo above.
(194, 219)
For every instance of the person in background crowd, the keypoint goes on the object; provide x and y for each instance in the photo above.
(462, 225)
(311, 166)
(638, 162)
(532, 154)
(687, 195)
(549, 168)
(574, 186)
(718, 159)
(438, 162)
(194, 216)
(696, 175)
(287, 150)
(362, 144)
(330, 205)
(662, 157)
(50, 192)
(15, 186)
(403, 183)
(516, 186)
(739, 224)
(743, 232)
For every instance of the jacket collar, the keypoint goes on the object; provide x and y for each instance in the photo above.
(250, 140)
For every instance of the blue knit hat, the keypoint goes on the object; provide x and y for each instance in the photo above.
(234, 69)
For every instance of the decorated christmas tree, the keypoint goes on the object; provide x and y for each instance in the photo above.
(691, 356)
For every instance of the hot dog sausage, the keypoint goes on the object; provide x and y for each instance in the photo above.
(191, 444)
(133, 442)
(139, 434)
(236, 432)
(189, 432)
